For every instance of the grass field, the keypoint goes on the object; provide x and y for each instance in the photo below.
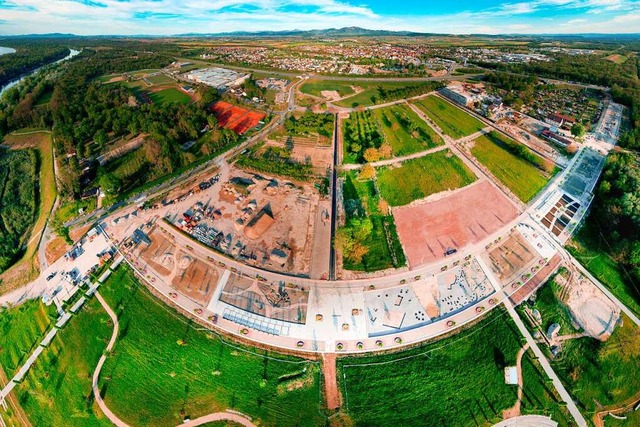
(360, 199)
(21, 329)
(538, 394)
(458, 381)
(44, 99)
(552, 309)
(598, 373)
(394, 90)
(315, 87)
(169, 95)
(28, 267)
(405, 131)
(519, 175)
(418, 178)
(452, 120)
(162, 365)
(57, 389)
(160, 79)
(590, 248)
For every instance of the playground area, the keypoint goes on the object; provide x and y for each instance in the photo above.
(194, 277)
(511, 258)
(238, 119)
(279, 301)
(426, 300)
(462, 218)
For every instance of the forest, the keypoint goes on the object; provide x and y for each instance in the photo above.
(86, 115)
(617, 209)
(29, 55)
(18, 201)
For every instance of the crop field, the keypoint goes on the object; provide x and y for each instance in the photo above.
(452, 120)
(375, 93)
(458, 381)
(21, 329)
(57, 389)
(519, 175)
(361, 200)
(405, 131)
(163, 369)
(169, 95)
(315, 87)
(418, 178)
(360, 132)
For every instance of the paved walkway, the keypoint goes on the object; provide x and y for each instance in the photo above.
(395, 160)
(96, 374)
(528, 421)
(220, 416)
(564, 394)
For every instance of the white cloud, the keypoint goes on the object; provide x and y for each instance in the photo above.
(179, 16)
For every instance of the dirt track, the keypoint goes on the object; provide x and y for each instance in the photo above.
(332, 394)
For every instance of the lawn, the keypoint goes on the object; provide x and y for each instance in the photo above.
(361, 200)
(315, 87)
(21, 330)
(418, 178)
(163, 369)
(57, 389)
(405, 131)
(28, 267)
(519, 175)
(375, 93)
(590, 248)
(169, 95)
(457, 381)
(452, 120)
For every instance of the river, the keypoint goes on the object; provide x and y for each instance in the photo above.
(14, 82)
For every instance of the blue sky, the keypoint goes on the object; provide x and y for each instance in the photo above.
(165, 17)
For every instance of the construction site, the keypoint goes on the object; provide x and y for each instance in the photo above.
(262, 221)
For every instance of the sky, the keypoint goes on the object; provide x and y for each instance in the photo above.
(166, 17)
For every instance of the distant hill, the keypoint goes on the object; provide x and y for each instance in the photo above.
(329, 32)
(348, 32)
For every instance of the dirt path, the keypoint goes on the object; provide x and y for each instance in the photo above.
(96, 374)
(514, 411)
(332, 394)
